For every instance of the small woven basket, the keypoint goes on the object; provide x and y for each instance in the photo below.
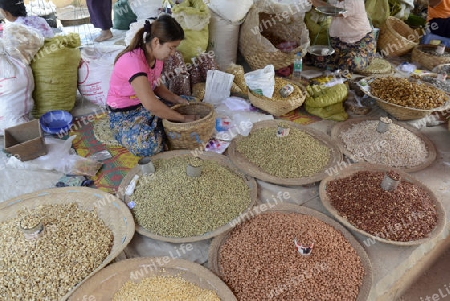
(378, 66)
(280, 106)
(421, 55)
(396, 37)
(191, 135)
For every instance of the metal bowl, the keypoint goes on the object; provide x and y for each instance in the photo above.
(321, 50)
(330, 10)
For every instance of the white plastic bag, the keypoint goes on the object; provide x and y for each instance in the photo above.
(134, 27)
(231, 10)
(144, 9)
(16, 88)
(22, 42)
(261, 81)
(94, 72)
(218, 85)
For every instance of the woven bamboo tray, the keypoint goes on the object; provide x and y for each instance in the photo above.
(109, 281)
(109, 208)
(214, 249)
(103, 133)
(222, 160)
(191, 135)
(428, 60)
(378, 66)
(282, 106)
(401, 112)
(253, 170)
(404, 177)
(396, 37)
(346, 125)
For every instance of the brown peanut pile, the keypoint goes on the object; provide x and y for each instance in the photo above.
(401, 91)
(74, 243)
(406, 214)
(163, 288)
(296, 155)
(259, 260)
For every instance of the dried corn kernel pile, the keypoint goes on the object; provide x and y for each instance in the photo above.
(401, 91)
(74, 243)
(164, 288)
(294, 156)
(171, 204)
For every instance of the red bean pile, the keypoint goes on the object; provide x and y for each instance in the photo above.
(406, 214)
(259, 260)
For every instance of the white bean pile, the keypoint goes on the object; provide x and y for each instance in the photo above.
(397, 147)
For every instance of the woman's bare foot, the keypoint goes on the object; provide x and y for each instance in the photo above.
(105, 35)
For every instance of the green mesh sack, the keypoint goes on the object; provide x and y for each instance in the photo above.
(193, 16)
(334, 112)
(123, 15)
(55, 71)
(378, 11)
(318, 31)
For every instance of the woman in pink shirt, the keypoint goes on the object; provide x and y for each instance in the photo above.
(350, 36)
(135, 111)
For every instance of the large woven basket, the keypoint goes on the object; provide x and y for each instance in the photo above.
(280, 106)
(396, 37)
(354, 168)
(105, 284)
(429, 60)
(214, 250)
(258, 50)
(341, 127)
(255, 171)
(110, 209)
(222, 160)
(191, 135)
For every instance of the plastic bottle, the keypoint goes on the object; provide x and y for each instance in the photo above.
(298, 65)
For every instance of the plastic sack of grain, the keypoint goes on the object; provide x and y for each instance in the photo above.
(231, 10)
(16, 87)
(144, 9)
(56, 86)
(22, 42)
(95, 70)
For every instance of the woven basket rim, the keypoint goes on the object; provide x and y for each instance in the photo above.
(167, 122)
(338, 128)
(217, 242)
(117, 274)
(108, 212)
(429, 60)
(253, 170)
(444, 107)
(222, 160)
(278, 108)
(390, 20)
(404, 176)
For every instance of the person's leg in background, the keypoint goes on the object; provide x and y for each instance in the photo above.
(440, 27)
(100, 12)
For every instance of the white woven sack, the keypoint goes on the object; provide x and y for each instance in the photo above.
(16, 88)
(94, 72)
(223, 40)
(231, 10)
(144, 9)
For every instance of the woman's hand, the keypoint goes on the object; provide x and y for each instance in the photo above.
(190, 118)
(182, 100)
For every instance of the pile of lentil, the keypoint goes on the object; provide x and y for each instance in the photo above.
(397, 147)
(164, 288)
(401, 91)
(406, 214)
(294, 156)
(434, 53)
(171, 204)
(74, 244)
(259, 260)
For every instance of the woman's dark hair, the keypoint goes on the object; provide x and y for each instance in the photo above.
(14, 7)
(165, 28)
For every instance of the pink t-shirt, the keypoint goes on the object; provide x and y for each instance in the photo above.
(130, 65)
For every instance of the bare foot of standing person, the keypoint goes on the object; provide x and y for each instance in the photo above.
(105, 35)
